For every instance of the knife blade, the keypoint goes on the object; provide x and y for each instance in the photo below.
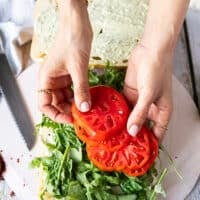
(16, 103)
(18, 175)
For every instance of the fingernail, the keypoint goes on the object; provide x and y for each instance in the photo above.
(84, 106)
(133, 130)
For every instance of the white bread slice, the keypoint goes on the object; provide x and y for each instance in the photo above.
(117, 27)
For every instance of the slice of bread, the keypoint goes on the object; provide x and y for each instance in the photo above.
(117, 26)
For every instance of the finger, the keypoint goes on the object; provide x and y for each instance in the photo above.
(48, 82)
(64, 108)
(58, 97)
(82, 96)
(46, 107)
(130, 93)
(79, 74)
(163, 115)
(53, 74)
(139, 113)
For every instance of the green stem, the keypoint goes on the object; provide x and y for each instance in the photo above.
(63, 161)
(164, 172)
(171, 162)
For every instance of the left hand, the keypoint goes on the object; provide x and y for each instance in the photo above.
(148, 88)
(67, 64)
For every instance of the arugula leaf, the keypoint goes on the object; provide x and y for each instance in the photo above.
(131, 185)
(108, 76)
(76, 191)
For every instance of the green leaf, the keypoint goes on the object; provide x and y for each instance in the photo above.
(128, 197)
(108, 76)
(76, 191)
(35, 163)
(76, 154)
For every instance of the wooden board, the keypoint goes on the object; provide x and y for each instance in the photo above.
(193, 30)
(181, 63)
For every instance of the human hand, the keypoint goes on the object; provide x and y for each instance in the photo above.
(67, 63)
(148, 88)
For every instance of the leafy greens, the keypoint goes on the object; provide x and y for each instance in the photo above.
(69, 173)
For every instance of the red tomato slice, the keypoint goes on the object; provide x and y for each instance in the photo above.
(134, 153)
(116, 142)
(101, 158)
(113, 144)
(81, 133)
(138, 150)
(153, 155)
(107, 116)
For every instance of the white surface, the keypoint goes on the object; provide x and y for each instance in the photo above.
(182, 139)
(19, 177)
(183, 143)
(19, 12)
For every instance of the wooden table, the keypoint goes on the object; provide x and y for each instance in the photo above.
(187, 66)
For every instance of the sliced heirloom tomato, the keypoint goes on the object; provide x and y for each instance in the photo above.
(153, 155)
(102, 158)
(134, 154)
(82, 134)
(112, 144)
(137, 151)
(108, 114)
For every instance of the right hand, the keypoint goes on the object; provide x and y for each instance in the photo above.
(67, 64)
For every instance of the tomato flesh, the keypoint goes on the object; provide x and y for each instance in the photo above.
(131, 157)
(107, 116)
(138, 150)
(101, 158)
(108, 144)
(153, 155)
(113, 144)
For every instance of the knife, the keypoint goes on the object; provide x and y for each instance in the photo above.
(18, 175)
(15, 101)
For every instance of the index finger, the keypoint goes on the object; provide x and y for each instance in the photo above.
(46, 107)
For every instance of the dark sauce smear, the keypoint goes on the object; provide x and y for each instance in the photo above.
(2, 167)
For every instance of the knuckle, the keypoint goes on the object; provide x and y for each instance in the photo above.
(167, 108)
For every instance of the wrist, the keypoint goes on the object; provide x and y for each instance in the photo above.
(160, 41)
(153, 55)
(67, 8)
(62, 4)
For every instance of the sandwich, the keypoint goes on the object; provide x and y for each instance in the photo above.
(75, 163)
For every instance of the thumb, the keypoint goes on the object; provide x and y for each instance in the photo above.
(79, 75)
(139, 113)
